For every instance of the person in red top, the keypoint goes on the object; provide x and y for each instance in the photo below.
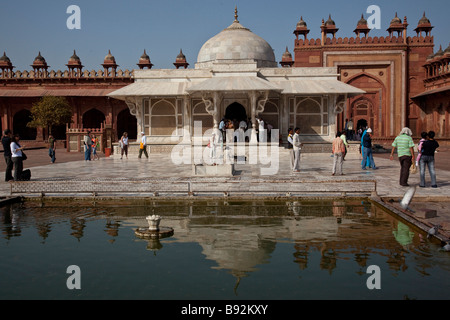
(338, 150)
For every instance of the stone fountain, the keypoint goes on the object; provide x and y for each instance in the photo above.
(154, 230)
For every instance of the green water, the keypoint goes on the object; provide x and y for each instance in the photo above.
(219, 250)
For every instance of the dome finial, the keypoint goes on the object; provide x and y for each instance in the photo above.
(236, 15)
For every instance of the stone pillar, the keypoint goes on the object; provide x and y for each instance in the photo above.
(217, 98)
(253, 97)
(187, 116)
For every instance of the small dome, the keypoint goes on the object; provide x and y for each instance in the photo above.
(39, 58)
(396, 20)
(4, 58)
(447, 51)
(109, 58)
(330, 22)
(424, 20)
(440, 53)
(145, 56)
(181, 56)
(287, 54)
(301, 23)
(74, 57)
(362, 21)
(430, 57)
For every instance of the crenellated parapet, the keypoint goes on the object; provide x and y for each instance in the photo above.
(65, 75)
(396, 34)
(363, 41)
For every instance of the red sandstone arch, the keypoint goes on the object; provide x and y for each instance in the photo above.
(93, 118)
(374, 99)
(20, 121)
(126, 122)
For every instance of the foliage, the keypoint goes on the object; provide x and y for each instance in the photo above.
(50, 111)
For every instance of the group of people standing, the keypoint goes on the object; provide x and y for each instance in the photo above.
(296, 145)
(124, 143)
(263, 130)
(14, 156)
(405, 150)
(91, 145)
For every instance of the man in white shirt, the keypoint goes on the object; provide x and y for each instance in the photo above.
(261, 130)
(297, 147)
(87, 146)
(143, 145)
(291, 146)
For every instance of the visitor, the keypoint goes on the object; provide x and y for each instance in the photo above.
(297, 146)
(338, 150)
(350, 132)
(291, 146)
(95, 146)
(261, 130)
(344, 140)
(17, 157)
(427, 159)
(361, 149)
(222, 128)
(143, 145)
(243, 124)
(230, 125)
(367, 151)
(405, 151)
(215, 144)
(87, 146)
(52, 148)
(424, 136)
(6, 142)
(124, 145)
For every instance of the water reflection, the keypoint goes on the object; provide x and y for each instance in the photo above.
(112, 228)
(10, 221)
(242, 237)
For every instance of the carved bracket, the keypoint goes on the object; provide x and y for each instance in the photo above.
(209, 105)
(262, 103)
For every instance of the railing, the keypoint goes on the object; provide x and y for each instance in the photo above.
(212, 187)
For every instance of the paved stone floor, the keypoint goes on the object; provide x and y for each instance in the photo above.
(313, 166)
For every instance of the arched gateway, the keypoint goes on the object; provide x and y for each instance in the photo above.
(236, 111)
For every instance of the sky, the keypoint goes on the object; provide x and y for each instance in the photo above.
(164, 27)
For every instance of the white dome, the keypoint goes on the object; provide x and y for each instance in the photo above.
(236, 43)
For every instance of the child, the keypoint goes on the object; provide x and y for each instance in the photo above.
(95, 145)
(419, 147)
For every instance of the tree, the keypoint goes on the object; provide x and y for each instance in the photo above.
(50, 111)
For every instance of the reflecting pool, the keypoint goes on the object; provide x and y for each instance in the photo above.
(219, 250)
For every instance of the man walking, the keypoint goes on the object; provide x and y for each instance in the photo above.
(52, 148)
(6, 142)
(297, 146)
(87, 146)
(367, 151)
(143, 145)
(405, 151)
(338, 150)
